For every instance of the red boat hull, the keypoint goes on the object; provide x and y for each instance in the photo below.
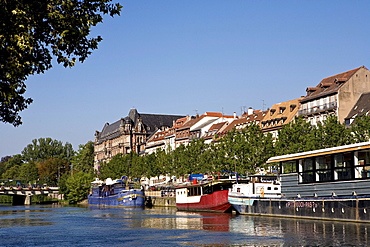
(215, 202)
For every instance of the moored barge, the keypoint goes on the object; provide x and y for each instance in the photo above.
(206, 196)
(331, 184)
(115, 193)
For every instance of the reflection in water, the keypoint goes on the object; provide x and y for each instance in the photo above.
(23, 216)
(167, 227)
(191, 221)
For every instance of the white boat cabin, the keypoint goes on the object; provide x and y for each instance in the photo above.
(257, 187)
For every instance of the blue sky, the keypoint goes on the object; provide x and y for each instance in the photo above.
(188, 57)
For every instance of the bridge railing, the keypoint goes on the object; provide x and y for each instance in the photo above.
(27, 187)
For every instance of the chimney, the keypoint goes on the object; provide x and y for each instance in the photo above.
(250, 111)
(234, 114)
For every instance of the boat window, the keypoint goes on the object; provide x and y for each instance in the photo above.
(343, 174)
(194, 191)
(268, 188)
(207, 190)
(289, 167)
(307, 164)
(276, 188)
(238, 190)
(324, 175)
(323, 162)
(343, 166)
(307, 174)
(306, 177)
(363, 164)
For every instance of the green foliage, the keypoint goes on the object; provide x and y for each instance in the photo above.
(12, 173)
(78, 186)
(33, 32)
(245, 150)
(84, 158)
(361, 129)
(332, 134)
(179, 161)
(119, 166)
(45, 148)
(297, 136)
(63, 189)
(6, 199)
(8, 162)
(29, 172)
(51, 170)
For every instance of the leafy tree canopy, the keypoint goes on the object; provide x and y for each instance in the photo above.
(51, 170)
(84, 158)
(78, 186)
(33, 32)
(331, 133)
(361, 128)
(45, 148)
(297, 136)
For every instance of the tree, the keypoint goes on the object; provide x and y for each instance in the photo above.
(118, 166)
(84, 158)
(331, 133)
(3, 164)
(179, 161)
(51, 170)
(11, 173)
(11, 165)
(245, 150)
(32, 32)
(78, 186)
(28, 172)
(297, 136)
(361, 129)
(45, 148)
(198, 157)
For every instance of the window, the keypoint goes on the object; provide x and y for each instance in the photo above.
(307, 164)
(272, 111)
(323, 166)
(306, 174)
(289, 167)
(363, 164)
(343, 166)
(281, 110)
(323, 162)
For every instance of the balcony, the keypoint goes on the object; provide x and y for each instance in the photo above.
(317, 109)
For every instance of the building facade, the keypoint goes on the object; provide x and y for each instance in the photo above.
(128, 134)
(279, 115)
(335, 95)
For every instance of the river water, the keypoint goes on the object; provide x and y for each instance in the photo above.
(50, 225)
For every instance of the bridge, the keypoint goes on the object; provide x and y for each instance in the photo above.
(22, 195)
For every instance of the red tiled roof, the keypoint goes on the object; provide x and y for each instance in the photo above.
(217, 126)
(329, 85)
(256, 116)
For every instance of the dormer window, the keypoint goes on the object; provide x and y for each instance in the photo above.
(310, 90)
(340, 80)
(325, 84)
(272, 111)
(282, 109)
(292, 107)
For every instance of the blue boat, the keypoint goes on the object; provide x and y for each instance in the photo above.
(115, 193)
